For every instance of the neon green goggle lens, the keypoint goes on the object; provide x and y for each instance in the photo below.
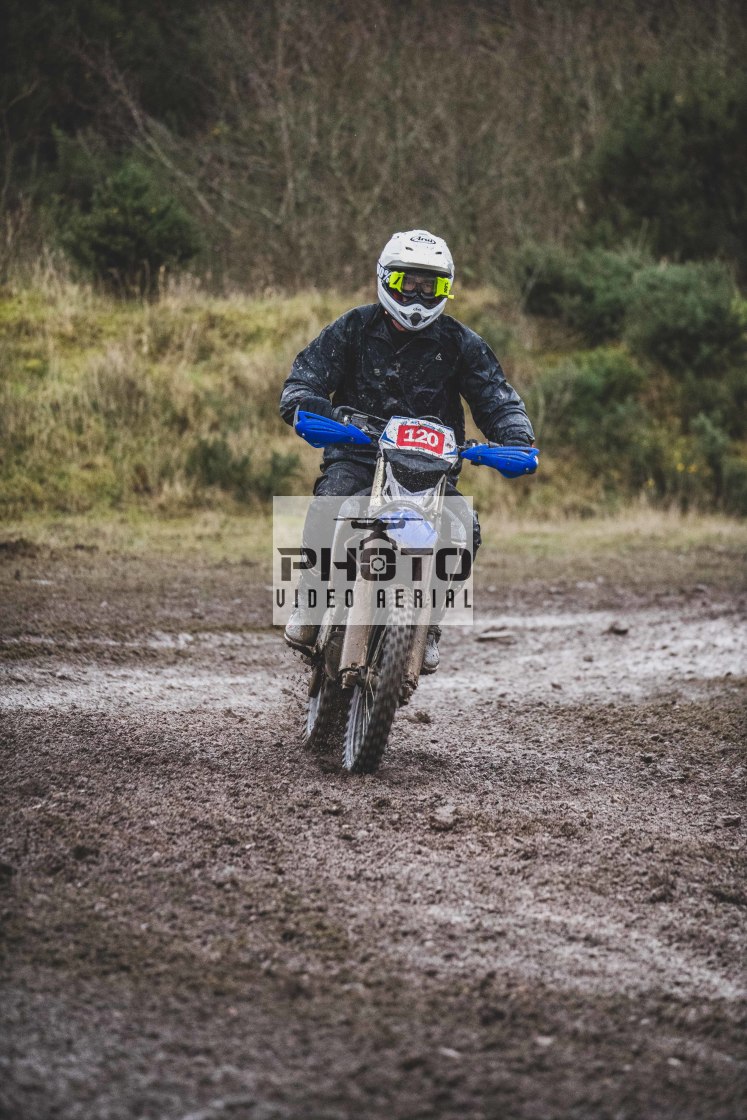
(431, 287)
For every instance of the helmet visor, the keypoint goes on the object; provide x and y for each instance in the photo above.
(412, 286)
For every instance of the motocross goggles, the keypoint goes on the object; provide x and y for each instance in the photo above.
(413, 286)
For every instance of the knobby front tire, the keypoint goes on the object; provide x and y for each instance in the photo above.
(376, 698)
(326, 715)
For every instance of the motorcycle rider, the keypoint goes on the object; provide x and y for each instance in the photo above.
(400, 357)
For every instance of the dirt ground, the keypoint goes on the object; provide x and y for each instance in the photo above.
(535, 909)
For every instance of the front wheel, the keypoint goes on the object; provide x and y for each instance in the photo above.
(326, 713)
(375, 698)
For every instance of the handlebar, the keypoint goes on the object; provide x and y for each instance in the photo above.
(362, 429)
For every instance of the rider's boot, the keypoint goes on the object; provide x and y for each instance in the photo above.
(299, 634)
(431, 657)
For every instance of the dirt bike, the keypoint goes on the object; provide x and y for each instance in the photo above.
(364, 666)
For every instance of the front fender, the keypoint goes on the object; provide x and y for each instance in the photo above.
(409, 529)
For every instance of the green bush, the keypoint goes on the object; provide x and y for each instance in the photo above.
(490, 326)
(684, 317)
(712, 444)
(540, 273)
(211, 462)
(672, 165)
(727, 470)
(591, 406)
(732, 401)
(593, 409)
(131, 232)
(590, 292)
(735, 485)
(274, 477)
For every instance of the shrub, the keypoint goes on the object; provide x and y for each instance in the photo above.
(712, 443)
(274, 477)
(540, 272)
(735, 485)
(211, 462)
(672, 164)
(489, 325)
(131, 232)
(728, 471)
(685, 318)
(589, 292)
(591, 405)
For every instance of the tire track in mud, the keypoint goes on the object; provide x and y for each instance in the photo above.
(535, 908)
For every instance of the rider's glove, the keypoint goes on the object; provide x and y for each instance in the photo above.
(324, 407)
(515, 437)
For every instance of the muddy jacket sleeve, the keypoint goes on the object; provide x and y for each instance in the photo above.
(317, 371)
(497, 408)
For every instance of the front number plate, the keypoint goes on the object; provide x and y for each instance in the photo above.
(420, 437)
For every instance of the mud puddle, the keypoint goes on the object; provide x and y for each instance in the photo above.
(534, 655)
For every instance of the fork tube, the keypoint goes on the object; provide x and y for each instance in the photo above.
(378, 483)
(357, 625)
(415, 657)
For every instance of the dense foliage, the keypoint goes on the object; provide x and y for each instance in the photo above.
(590, 291)
(130, 233)
(585, 160)
(665, 409)
(60, 63)
(297, 135)
(672, 163)
(109, 402)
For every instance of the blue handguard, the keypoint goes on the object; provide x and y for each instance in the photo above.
(320, 431)
(512, 462)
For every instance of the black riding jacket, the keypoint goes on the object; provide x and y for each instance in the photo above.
(355, 362)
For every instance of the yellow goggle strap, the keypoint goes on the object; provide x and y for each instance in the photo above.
(442, 287)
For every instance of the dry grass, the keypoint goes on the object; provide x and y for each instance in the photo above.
(102, 403)
(172, 407)
(639, 547)
(169, 406)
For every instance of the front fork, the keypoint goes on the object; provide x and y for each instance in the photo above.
(357, 630)
(355, 642)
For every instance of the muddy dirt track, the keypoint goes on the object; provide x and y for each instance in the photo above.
(536, 909)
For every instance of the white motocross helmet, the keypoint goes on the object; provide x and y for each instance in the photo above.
(415, 273)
